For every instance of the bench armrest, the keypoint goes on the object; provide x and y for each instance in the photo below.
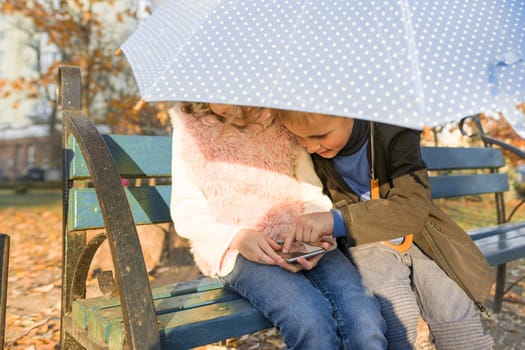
(131, 275)
(488, 140)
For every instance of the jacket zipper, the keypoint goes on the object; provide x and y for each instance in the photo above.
(443, 262)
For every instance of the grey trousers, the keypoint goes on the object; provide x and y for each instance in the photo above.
(410, 283)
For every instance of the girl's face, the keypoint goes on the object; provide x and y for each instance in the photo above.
(322, 134)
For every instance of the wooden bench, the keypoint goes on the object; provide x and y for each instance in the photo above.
(182, 315)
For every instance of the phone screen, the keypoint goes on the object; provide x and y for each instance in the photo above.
(309, 251)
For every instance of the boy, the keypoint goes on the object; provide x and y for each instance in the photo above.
(439, 274)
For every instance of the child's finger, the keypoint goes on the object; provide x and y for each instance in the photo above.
(270, 252)
(308, 264)
(289, 239)
(327, 243)
(290, 267)
(276, 245)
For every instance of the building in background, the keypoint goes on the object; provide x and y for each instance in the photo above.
(17, 61)
(24, 148)
(24, 129)
(29, 147)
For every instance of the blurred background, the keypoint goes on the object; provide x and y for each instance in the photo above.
(36, 36)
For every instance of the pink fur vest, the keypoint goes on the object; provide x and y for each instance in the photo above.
(246, 175)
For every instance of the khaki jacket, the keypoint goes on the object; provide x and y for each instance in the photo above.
(406, 206)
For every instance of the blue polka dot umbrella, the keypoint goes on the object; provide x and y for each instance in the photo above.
(406, 62)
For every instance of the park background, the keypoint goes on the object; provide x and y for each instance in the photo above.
(36, 36)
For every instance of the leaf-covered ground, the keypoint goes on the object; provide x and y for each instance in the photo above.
(33, 300)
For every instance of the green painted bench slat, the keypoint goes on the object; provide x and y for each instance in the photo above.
(163, 305)
(462, 185)
(180, 318)
(188, 329)
(99, 319)
(148, 204)
(483, 232)
(181, 288)
(450, 158)
(134, 155)
(84, 306)
(201, 287)
(503, 247)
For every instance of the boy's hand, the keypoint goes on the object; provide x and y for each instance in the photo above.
(308, 263)
(310, 228)
(256, 247)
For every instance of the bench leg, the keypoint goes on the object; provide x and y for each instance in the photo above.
(74, 245)
(500, 287)
(4, 266)
(69, 343)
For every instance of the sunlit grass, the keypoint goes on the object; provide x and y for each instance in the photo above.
(33, 198)
(478, 211)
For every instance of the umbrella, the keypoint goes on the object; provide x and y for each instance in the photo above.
(406, 62)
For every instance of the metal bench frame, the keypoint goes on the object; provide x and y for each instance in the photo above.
(4, 268)
(130, 270)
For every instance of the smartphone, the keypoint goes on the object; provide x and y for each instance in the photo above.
(308, 252)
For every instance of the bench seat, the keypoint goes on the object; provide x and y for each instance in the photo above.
(189, 314)
(501, 244)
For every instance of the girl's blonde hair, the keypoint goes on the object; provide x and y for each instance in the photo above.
(199, 110)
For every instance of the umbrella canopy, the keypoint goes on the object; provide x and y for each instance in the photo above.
(404, 62)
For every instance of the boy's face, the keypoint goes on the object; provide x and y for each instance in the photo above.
(322, 134)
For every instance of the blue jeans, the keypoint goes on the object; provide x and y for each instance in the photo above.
(324, 308)
(410, 283)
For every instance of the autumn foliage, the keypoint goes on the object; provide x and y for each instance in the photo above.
(83, 37)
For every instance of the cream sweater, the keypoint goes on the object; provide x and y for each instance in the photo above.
(225, 180)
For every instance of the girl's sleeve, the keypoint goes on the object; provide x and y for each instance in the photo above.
(192, 217)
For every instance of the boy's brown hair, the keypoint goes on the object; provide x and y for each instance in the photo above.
(292, 117)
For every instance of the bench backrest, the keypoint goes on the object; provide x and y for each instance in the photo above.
(145, 159)
(148, 159)
(465, 171)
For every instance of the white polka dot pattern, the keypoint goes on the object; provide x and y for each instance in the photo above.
(405, 62)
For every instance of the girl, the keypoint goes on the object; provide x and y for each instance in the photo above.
(239, 182)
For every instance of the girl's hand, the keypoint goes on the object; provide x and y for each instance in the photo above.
(301, 264)
(256, 247)
(313, 227)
